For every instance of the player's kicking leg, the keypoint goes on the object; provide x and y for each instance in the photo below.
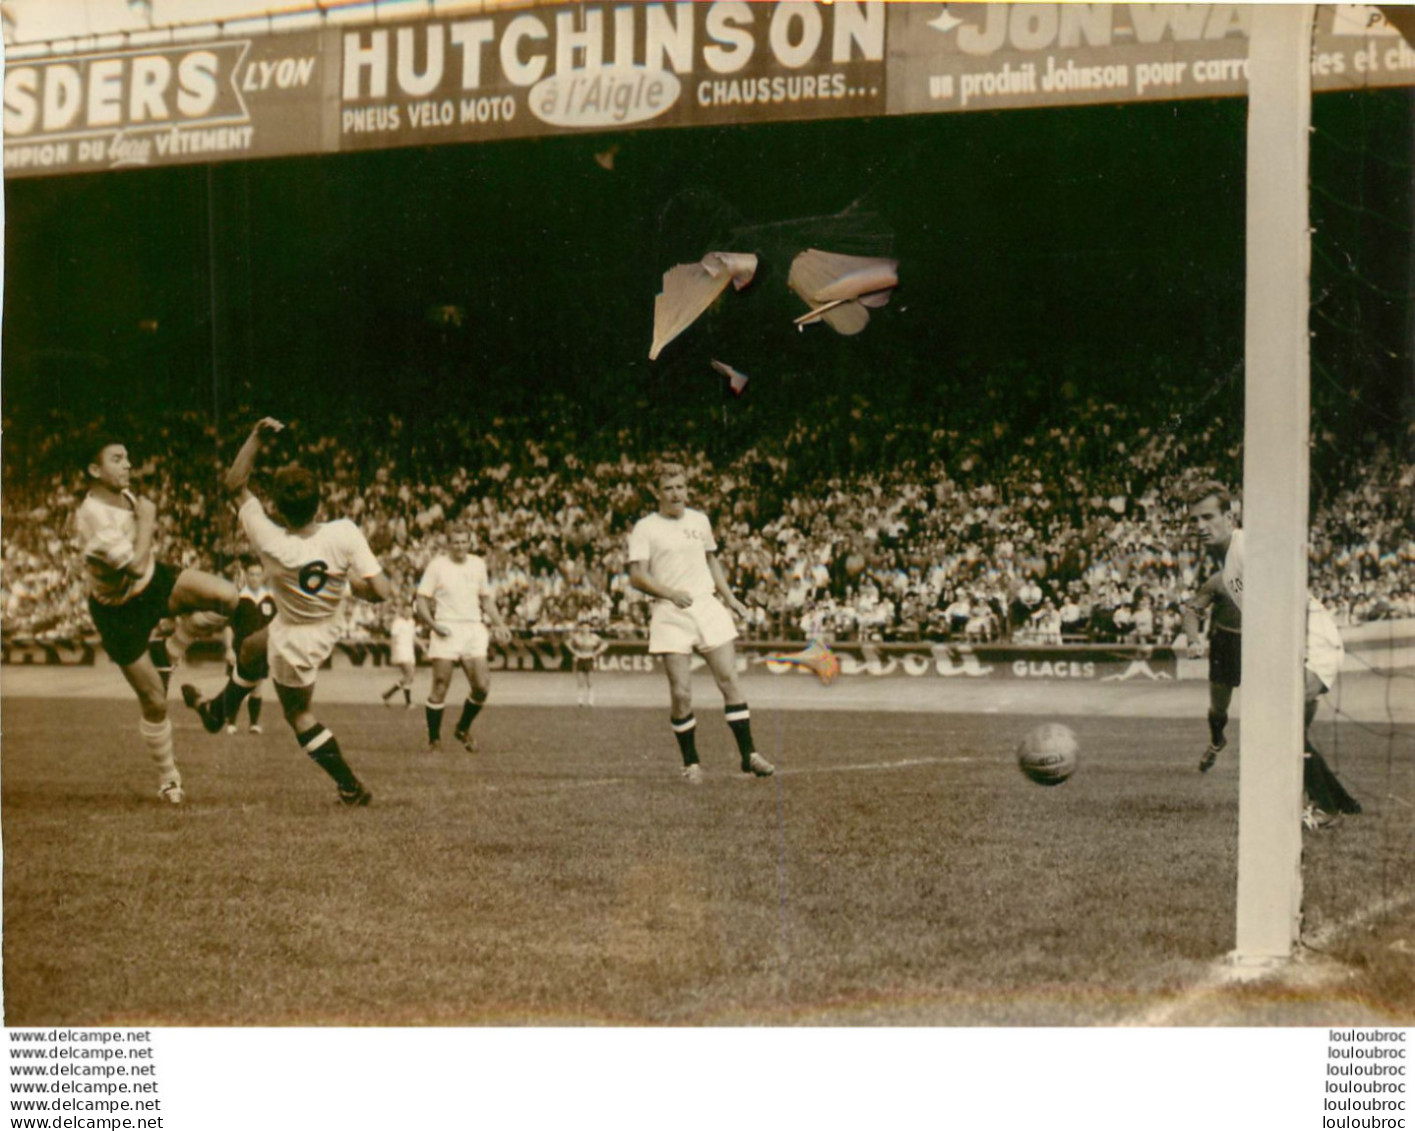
(319, 743)
(199, 591)
(252, 666)
(194, 591)
(722, 662)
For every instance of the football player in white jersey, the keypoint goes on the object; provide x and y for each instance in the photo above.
(584, 645)
(455, 600)
(131, 592)
(310, 567)
(402, 654)
(673, 558)
(1211, 508)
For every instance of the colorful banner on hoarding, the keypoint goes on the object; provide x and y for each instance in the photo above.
(601, 67)
(955, 57)
(612, 67)
(229, 99)
(523, 73)
(1118, 663)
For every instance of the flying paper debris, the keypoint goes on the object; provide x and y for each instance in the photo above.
(815, 658)
(839, 288)
(690, 288)
(736, 379)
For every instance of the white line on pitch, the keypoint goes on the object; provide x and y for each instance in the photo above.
(1223, 972)
(902, 764)
(1323, 938)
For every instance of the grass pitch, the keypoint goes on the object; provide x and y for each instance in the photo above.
(899, 869)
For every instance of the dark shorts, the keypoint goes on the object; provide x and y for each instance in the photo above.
(125, 628)
(582, 663)
(1225, 657)
(249, 618)
(255, 668)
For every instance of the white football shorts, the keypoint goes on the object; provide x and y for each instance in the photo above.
(705, 624)
(296, 651)
(1325, 652)
(400, 656)
(469, 638)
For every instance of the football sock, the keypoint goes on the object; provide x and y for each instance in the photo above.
(157, 737)
(323, 748)
(470, 710)
(392, 691)
(740, 720)
(684, 730)
(253, 705)
(1323, 788)
(434, 721)
(161, 660)
(228, 705)
(1217, 725)
(407, 696)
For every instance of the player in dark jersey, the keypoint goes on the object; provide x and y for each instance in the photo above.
(1211, 509)
(254, 610)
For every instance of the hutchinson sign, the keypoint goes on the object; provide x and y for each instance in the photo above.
(611, 67)
(588, 67)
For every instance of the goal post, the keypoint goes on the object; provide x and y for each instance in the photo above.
(1275, 479)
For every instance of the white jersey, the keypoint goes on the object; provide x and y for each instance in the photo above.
(456, 588)
(105, 535)
(675, 550)
(308, 574)
(1323, 651)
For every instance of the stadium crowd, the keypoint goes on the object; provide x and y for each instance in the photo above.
(850, 520)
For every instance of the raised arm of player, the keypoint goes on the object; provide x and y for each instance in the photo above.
(239, 473)
(643, 581)
(719, 581)
(146, 511)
